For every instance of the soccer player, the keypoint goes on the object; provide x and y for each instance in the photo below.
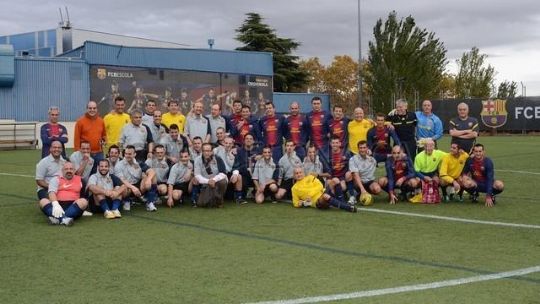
(106, 190)
(296, 129)
(450, 171)
(427, 162)
(180, 179)
(399, 174)
(479, 176)
(115, 121)
(308, 191)
(91, 128)
(64, 202)
(196, 148)
(464, 129)
(216, 121)
(114, 157)
(137, 135)
(429, 125)
(137, 184)
(362, 167)
(338, 126)
(404, 123)
(312, 165)
(246, 125)
(318, 128)
(197, 125)
(235, 118)
(227, 153)
(265, 177)
(158, 163)
(47, 168)
(245, 160)
(211, 177)
(286, 164)
(52, 131)
(220, 137)
(174, 143)
(358, 129)
(340, 176)
(378, 139)
(157, 129)
(82, 161)
(271, 127)
(174, 116)
(149, 110)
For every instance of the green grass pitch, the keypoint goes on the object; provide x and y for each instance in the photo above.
(269, 252)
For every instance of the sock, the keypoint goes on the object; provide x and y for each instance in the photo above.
(338, 204)
(73, 211)
(350, 188)
(443, 190)
(47, 209)
(104, 205)
(338, 192)
(116, 204)
(195, 194)
(151, 195)
(237, 194)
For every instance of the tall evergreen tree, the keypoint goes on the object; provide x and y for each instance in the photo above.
(257, 36)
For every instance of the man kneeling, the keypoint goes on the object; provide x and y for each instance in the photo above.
(64, 203)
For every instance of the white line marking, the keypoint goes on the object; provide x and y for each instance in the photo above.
(407, 288)
(520, 172)
(13, 174)
(454, 219)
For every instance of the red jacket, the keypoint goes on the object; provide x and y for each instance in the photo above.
(92, 130)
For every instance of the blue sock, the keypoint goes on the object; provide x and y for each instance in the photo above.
(47, 209)
(73, 211)
(116, 204)
(151, 195)
(195, 194)
(104, 205)
(350, 188)
(338, 192)
(338, 204)
(238, 194)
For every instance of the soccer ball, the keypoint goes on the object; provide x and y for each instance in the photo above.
(366, 199)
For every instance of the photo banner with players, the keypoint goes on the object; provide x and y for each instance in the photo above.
(519, 114)
(138, 85)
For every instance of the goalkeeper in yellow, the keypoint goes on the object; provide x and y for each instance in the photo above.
(308, 191)
(450, 172)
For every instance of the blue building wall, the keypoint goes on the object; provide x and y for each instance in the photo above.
(39, 43)
(283, 100)
(41, 83)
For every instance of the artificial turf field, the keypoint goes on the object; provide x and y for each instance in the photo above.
(273, 252)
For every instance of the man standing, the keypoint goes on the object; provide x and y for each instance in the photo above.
(479, 176)
(64, 203)
(339, 126)
(318, 128)
(246, 125)
(271, 127)
(149, 110)
(137, 135)
(429, 125)
(404, 123)
(91, 128)
(115, 121)
(52, 131)
(358, 129)
(216, 121)
(47, 168)
(197, 125)
(296, 129)
(174, 116)
(106, 190)
(464, 129)
(158, 130)
(211, 177)
(378, 139)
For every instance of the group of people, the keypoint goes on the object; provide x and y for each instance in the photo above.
(317, 159)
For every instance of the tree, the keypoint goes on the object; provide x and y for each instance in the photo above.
(315, 70)
(474, 78)
(405, 62)
(447, 86)
(507, 89)
(258, 36)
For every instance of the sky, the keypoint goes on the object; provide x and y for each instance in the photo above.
(507, 31)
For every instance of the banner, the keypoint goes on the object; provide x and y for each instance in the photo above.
(138, 85)
(518, 114)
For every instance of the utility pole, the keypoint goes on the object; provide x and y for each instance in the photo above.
(359, 57)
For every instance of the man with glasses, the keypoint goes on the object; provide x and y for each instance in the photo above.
(53, 131)
(211, 178)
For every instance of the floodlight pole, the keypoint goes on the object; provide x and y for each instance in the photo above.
(359, 58)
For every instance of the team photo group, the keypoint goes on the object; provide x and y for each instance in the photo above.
(319, 159)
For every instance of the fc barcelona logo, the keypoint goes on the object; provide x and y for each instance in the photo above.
(494, 113)
(101, 74)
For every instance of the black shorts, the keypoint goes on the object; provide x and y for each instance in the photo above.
(65, 204)
(182, 187)
(43, 193)
(287, 184)
(267, 191)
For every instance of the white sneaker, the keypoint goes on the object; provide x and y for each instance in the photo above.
(126, 206)
(87, 213)
(151, 207)
(68, 221)
(117, 213)
(108, 214)
(352, 200)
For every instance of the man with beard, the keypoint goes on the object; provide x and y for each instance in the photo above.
(211, 178)
(106, 191)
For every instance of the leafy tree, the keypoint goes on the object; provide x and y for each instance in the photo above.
(315, 70)
(507, 89)
(405, 62)
(447, 86)
(474, 78)
(258, 36)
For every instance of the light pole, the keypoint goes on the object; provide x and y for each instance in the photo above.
(359, 58)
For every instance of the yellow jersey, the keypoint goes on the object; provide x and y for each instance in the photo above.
(179, 119)
(308, 187)
(451, 166)
(358, 131)
(114, 123)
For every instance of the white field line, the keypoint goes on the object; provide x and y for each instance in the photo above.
(454, 219)
(407, 288)
(13, 174)
(517, 171)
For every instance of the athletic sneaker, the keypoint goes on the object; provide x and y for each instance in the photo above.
(460, 198)
(108, 214)
(67, 221)
(126, 206)
(87, 213)
(353, 209)
(352, 200)
(52, 220)
(117, 213)
(241, 201)
(474, 197)
(151, 207)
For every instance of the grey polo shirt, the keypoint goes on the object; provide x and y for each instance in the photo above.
(137, 136)
(197, 126)
(363, 166)
(76, 158)
(227, 157)
(130, 172)
(313, 166)
(160, 167)
(180, 173)
(287, 163)
(105, 182)
(215, 166)
(265, 171)
(172, 147)
(48, 168)
(215, 122)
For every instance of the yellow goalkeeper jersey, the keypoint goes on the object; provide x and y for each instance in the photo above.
(452, 166)
(310, 188)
